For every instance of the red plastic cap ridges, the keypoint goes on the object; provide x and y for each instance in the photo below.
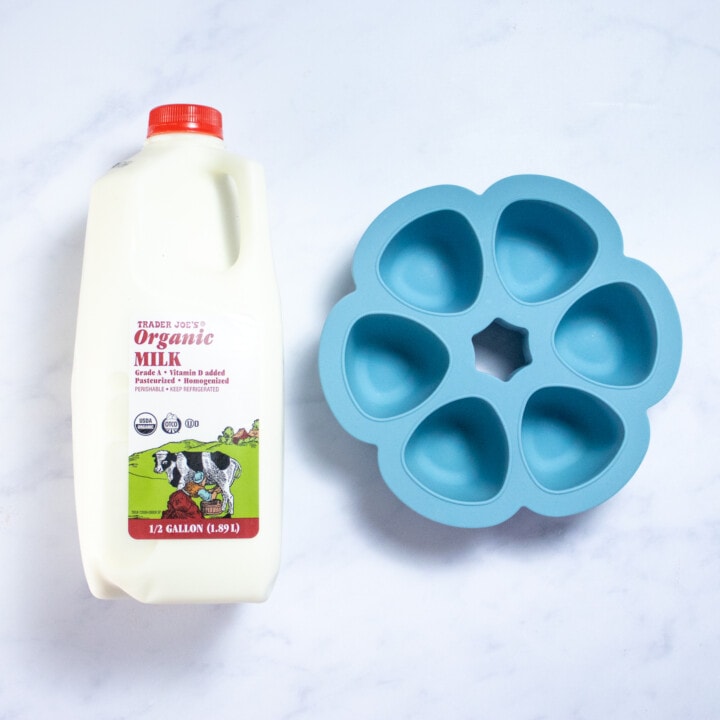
(185, 118)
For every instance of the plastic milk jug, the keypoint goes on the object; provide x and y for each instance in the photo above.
(177, 377)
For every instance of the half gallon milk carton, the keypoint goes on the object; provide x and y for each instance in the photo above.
(177, 377)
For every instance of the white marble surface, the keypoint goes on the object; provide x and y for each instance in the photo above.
(377, 613)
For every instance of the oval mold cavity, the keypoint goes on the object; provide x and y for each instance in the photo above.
(392, 364)
(609, 336)
(542, 249)
(460, 452)
(568, 437)
(434, 263)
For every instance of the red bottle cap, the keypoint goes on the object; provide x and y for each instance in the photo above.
(185, 118)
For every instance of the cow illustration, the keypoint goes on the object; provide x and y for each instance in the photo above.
(218, 469)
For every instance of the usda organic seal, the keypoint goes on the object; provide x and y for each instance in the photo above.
(145, 424)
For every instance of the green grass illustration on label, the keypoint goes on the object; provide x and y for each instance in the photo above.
(149, 491)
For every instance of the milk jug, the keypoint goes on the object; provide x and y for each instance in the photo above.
(177, 375)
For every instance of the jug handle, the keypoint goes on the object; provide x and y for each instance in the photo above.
(251, 222)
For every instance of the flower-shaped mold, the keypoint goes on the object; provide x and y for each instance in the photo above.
(536, 267)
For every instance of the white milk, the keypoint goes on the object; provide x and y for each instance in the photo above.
(177, 378)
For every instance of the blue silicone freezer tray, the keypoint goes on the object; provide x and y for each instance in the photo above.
(589, 338)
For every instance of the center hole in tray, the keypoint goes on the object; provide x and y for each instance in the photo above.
(501, 349)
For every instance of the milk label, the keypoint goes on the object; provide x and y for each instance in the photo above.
(194, 428)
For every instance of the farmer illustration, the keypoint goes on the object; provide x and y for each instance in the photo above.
(181, 505)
